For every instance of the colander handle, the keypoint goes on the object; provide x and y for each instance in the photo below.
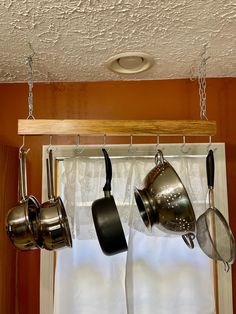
(188, 239)
(159, 159)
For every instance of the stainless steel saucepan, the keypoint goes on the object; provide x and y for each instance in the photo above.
(164, 201)
(22, 221)
(54, 227)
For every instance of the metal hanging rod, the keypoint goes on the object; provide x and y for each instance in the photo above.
(116, 127)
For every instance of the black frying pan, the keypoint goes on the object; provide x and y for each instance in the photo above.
(106, 218)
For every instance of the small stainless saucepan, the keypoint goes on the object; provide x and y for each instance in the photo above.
(164, 201)
(54, 227)
(22, 221)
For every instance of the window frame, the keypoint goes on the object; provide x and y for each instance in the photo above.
(222, 282)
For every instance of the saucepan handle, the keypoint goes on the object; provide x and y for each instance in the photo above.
(51, 193)
(107, 186)
(22, 176)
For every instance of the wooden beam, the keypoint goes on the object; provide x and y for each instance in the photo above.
(116, 127)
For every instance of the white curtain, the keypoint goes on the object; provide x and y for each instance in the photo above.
(158, 274)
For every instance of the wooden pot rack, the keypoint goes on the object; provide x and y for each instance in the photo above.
(116, 127)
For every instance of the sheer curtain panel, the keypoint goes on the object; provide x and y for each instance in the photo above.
(159, 273)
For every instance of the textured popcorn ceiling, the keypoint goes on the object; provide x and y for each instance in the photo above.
(74, 38)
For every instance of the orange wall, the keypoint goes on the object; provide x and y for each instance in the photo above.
(8, 199)
(172, 99)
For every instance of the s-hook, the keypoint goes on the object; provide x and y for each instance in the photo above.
(105, 142)
(130, 150)
(53, 149)
(23, 145)
(78, 149)
(183, 148)
(209, 146)
(158, 144)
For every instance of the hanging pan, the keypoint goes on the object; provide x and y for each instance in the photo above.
(106, 218)
(22, 221)
(164, 201)
(213, 233)
(54, 227)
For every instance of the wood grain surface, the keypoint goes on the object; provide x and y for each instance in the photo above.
(118, 127)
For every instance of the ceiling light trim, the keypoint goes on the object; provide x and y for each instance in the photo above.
(115, 63)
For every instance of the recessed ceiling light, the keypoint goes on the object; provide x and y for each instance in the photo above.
(130, 62)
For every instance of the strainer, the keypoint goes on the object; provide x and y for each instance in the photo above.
(214, 235)
(164, 201)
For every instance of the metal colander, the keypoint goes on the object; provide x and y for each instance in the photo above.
(164, 200)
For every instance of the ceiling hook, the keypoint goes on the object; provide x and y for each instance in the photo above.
(184, 149)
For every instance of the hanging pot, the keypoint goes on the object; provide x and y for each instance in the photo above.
(164, 201)
(22, 221)
(106, 218)
(54, 227)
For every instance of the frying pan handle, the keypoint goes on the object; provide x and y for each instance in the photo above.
(210, 165)
(22, 176)
(107, 186)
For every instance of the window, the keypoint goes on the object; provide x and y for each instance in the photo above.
(159, 274)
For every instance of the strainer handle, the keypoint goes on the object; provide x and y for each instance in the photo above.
(159, 159)
(210, 165)
(226, 267)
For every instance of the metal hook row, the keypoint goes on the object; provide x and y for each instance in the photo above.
(79, 148)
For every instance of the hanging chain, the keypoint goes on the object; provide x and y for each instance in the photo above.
(30, 83)
(202, 84)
